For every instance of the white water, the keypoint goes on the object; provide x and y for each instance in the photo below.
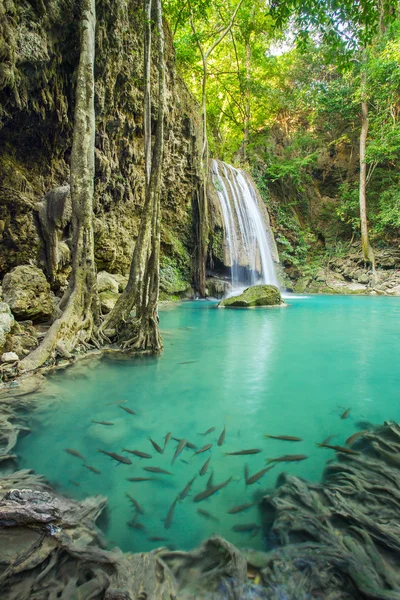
(246, 232)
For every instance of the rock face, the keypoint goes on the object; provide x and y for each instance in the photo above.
(257, 295)
(27, 292)
(6, 323)
(217, 287)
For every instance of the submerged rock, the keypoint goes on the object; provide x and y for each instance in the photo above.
(27, 291)
(6, 323)
(257, 295)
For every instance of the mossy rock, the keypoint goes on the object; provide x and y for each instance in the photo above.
(257, 295)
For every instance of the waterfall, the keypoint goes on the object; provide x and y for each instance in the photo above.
(249, 241)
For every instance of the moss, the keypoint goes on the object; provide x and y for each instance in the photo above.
(258, 295)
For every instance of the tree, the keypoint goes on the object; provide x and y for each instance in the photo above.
(142, 290)
(79, 303)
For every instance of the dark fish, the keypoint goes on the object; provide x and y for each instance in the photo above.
(328, 439)
(204, 468)
(137, 453)
(210, 491)
(355, 436)
(167, 438)
(93, 469)
(157, 538)
(210, 481)
(184, 461)
(287, 458)
(188, 444)
(208, 431)
(240, 508)
(338, 448)
(186, 489)
(221, 438)
(188, 362)
(118, 457)
(203, 449)
(286, 438)
(74, 453)
(257, 476)
(103, 422)
(157, 470)
(206, 514)
(365, 425)
(135, 503)
(128, 410)
(137, 479)
(180, 447)
(156, 446)
(240, 452)
(75, 483)
(345, 414)
(245, 527)
(170, 515)
(255, 532)
(136, 525)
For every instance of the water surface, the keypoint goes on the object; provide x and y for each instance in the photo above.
(289, 371)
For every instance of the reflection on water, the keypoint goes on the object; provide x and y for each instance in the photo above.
(289, 371)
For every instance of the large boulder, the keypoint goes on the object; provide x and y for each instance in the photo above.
(6, 323)
(27, 292)
(257, 295)
(107, 301)
(217, 288)
(106, 283)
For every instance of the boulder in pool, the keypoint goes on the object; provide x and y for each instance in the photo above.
(257, 295)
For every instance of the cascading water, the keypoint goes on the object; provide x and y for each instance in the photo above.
(248, 238)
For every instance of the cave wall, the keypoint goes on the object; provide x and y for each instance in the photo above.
(39, 53)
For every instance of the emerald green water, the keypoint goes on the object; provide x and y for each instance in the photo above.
(283, 371)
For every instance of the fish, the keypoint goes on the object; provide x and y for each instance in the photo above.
(203, 449)
(188, 362)
(286, 438)
(170, 515)
(345, 414)
(242, 452)
(245, 527)
(156, 446)
(257, 476)
(75, 453)
(338, 448)
(208, 431)
(103, 422)
(240, 508)
(93, 469)
(157, 470)
(355, 436)
(186, 462)
(128, 410)
(75, 483)
(118, 457)
(204, 468)
(188, 444)
(210, 481)
(206, 514)
(365, 425)
(221, 438)
(137, 453)
(186, 489)
(287, 458)
(179, 448)
(136, 525)
(157, 538)
(328, 439)
(135, 503)
(167, 438)
(138, 479)
(210, 491)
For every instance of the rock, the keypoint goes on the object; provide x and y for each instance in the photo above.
(9, 357)
(218, 288)
(258, 295)
(27, 291)
(122, 281)
(363, 278)
(6, 323)
(107, 301)
(106, 283)
(22, 339)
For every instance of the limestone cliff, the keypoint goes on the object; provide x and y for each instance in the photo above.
(39, 47)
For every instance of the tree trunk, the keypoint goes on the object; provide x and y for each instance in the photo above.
(366, 248)
(142, 291)
(79, 303)
(202, 196)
